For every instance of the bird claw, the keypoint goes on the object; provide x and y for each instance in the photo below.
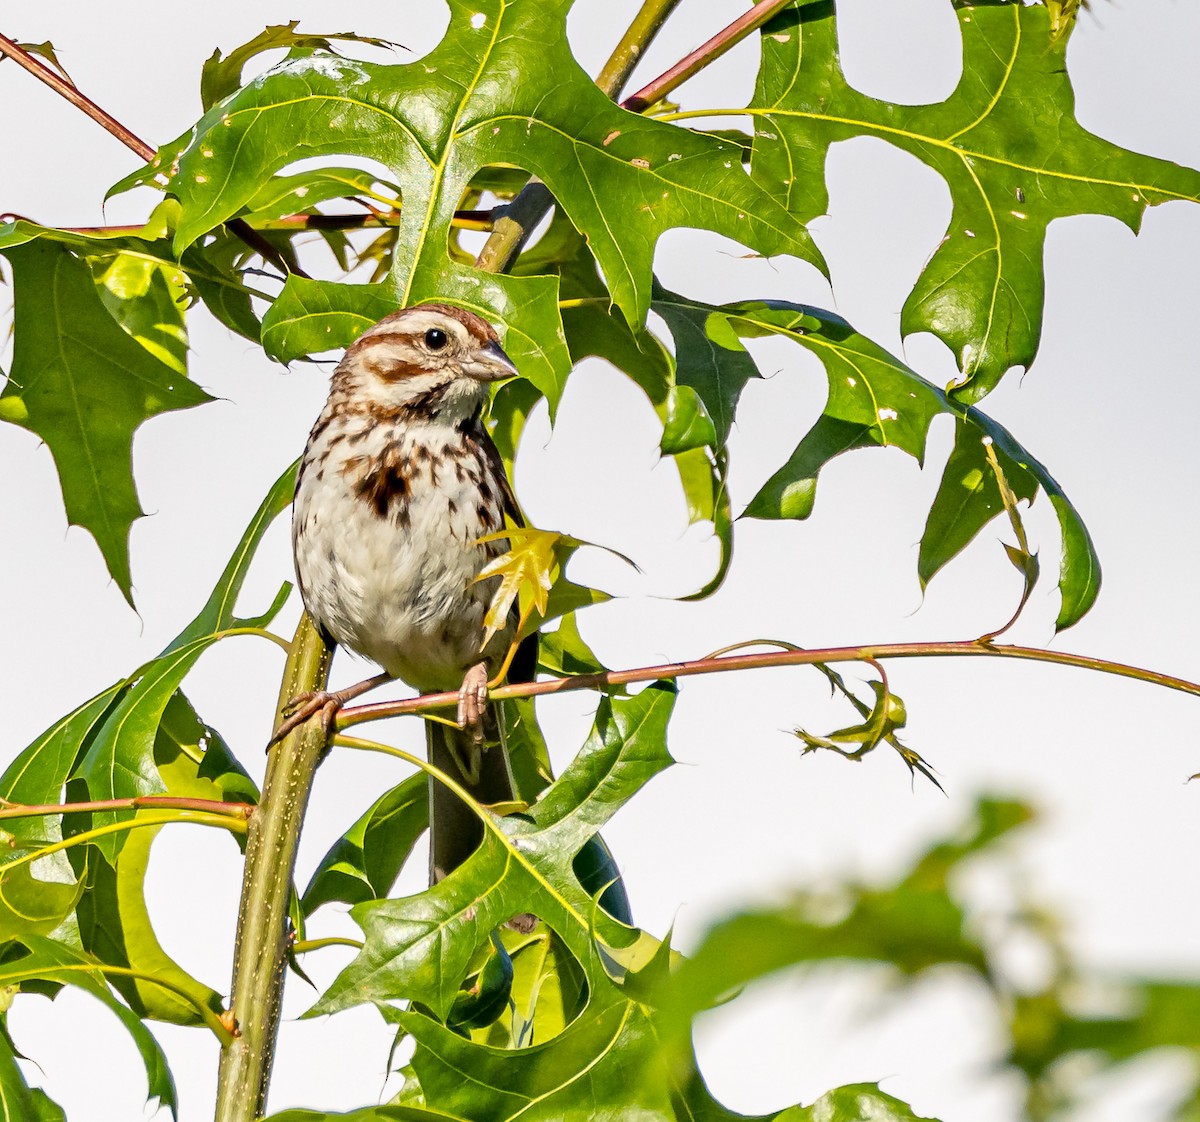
(302, 707)
(472, 700)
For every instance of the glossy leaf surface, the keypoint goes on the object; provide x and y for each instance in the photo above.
(1007, 144)
(84, 386)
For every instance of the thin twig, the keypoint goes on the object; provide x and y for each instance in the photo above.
(139, 802)
(671, 670)
(463, 219)
(636, 40)
(709, 52)
(106, 120)
(515, 222)
(81, 101)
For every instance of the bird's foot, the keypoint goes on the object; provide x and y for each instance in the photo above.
(302, 707)
(472, 700)
(323, 702)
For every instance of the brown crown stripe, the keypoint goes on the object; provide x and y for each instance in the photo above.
(478, 328)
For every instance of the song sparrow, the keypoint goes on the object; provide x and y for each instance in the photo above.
(398, 483)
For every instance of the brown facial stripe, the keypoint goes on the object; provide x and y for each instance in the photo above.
(391, 368)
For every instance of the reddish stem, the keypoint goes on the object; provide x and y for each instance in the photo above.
(166, 802)
(106, 120)
(378, 710)
(61, 86)
(728, 37)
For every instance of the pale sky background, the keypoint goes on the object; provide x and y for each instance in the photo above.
(1109, 406)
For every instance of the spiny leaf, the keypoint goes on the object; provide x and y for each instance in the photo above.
(875, 400)
(622, 179)
(222, 74)
(530, 571)
(420, 947)
(56, 962)
(1007, 144)
(84, 386)
(114, 921)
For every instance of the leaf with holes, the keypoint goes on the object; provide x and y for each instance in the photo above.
(502, 88)
(1006, 142)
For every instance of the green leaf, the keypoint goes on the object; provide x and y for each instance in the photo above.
(875, 400)
(120, 761)
(709, 359)
(548, 991)
(221, 74)
(18, 1101)
(592, 324)
(52, 961)
(489, 993)
(364, 862)
(1007, 144)
(858, 1102)
(686, 423)
(435, 123)
(114, 921)
(36, 778)
(292, 194)
(563, 653)
(386, 1113)
(33, 904)
(214, 272)
(310, 316)
(45, 51)
(584, 1072)
(420, 947)
(84, 386)
(147, 299)
(967, 499)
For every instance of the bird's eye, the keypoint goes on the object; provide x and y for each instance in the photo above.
(435, 339)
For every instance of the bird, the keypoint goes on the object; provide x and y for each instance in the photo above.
(398, 484)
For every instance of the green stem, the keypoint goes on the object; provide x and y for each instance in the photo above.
(627, 53)
(794, 657)
(234, 823)
(702, 56)
(515, 222)
(303, 946)
(262, 933)
(211, 1019)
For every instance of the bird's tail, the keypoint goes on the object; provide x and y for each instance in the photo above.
(482, 769)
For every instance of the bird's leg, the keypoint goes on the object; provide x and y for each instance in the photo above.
(325, 702)
(472, 709)
(472, 700)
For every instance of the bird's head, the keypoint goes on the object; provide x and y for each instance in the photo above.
(431, 360)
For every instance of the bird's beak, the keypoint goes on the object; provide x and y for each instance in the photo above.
(490, 364)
